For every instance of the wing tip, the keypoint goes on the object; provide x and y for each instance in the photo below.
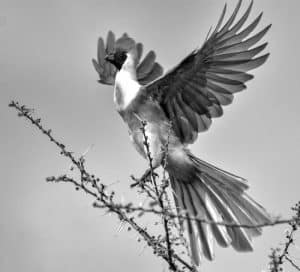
(110, 33)
(264, 57)
(94, 61)
(268, 26)
(97, 66)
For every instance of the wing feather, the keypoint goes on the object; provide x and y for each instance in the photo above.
(101, 52)
(208, 77)
(243, 77)
(239, 24)
(204, 122)
(188, 112)
(239, 37)
(189, 99)
(245, 45)
(155, 72)
(220, 21)
(231, 19)
(146, 65)
(240, 55)
(139, 48)
(241, 65)
(148, 68)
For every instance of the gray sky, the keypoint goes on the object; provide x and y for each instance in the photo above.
(45, 62)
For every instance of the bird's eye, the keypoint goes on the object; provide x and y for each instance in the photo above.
(119, 59)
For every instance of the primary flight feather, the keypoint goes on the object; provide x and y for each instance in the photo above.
(176, 107)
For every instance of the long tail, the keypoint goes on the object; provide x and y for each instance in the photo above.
(210, 193)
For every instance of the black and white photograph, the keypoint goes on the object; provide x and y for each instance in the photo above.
(149, 136)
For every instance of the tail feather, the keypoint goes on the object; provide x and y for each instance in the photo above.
(239, 209)
(228, 180)
(180, 199)
(245, 219)
(257, 211)
(204, 230)
(239, 237)
(212, 213)
(212, 194)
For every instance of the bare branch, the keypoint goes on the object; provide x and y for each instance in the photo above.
(97, 189)
(278, 258)
(292, 263)
(158, 194)
(129, 208)
(163, 246)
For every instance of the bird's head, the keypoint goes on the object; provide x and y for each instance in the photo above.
(117, 58)
(124, 53)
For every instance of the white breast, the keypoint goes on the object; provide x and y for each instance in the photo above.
(126, 89)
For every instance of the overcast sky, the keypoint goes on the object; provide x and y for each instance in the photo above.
(46, 49)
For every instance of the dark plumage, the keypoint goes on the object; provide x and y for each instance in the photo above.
(207, 78)
(117, 58)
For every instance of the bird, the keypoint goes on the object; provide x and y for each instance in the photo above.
(179, 104)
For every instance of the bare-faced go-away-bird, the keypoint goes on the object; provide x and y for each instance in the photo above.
(179, 104)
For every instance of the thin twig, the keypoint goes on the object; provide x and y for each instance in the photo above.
(278, 259)
(292, 263)
(158, 194)
(168, 214)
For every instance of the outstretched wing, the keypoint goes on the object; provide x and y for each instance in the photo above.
(194, 91)
(147, 69)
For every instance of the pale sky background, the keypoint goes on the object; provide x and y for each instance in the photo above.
(46, 49)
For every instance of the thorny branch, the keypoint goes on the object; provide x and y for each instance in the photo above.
(170, 215)
(278, 256)
(98, 190)
(158, 193)
(292, 262)
(162, 247)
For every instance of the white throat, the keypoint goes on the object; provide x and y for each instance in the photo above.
(126, 85)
